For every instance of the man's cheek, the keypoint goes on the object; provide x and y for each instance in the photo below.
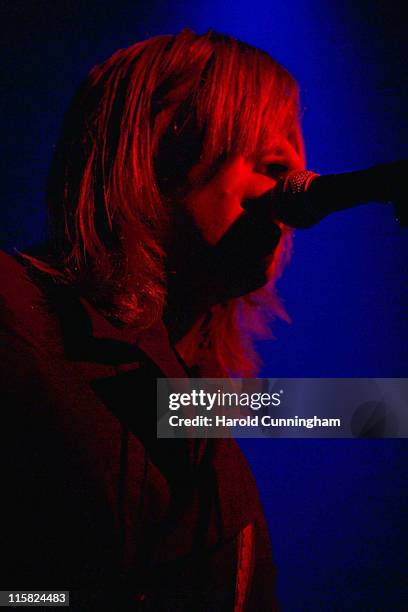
(213, 213)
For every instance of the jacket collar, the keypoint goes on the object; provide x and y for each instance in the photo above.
(153, 342)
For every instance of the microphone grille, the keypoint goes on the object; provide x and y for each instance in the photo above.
(298, 181)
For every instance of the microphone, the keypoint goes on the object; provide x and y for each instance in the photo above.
(236, 264)
(303, 198)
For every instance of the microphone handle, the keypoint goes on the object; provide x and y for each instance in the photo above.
(304, 198)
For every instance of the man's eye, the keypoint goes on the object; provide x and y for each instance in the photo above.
(275, 171)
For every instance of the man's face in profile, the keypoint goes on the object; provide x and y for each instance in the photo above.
(216, 204)
(209, 210)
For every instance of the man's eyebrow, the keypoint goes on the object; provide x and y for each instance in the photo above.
(277, 150)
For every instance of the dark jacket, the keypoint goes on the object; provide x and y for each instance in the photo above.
(92, 502)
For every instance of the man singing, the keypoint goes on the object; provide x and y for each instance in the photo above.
(166, 146)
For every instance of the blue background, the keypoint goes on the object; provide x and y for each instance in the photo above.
(335, 508)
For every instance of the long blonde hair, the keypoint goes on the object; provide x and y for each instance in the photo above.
(107, 190)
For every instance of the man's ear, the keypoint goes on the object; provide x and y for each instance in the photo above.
(177, 148)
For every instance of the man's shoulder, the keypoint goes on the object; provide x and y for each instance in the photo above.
(14, 279)
(21, 299)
